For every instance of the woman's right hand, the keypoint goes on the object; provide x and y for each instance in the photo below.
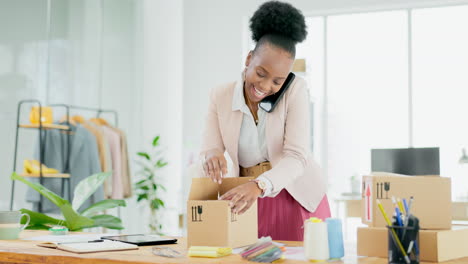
(215, 165)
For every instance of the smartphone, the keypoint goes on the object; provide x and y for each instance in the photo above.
(269, 103)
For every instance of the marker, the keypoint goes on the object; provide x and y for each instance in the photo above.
(395, 237)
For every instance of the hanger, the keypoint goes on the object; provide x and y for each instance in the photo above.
(64, 119)
(79, 119)
(99, 121)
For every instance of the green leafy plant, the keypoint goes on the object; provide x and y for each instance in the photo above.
(148, 185)
(74, 220)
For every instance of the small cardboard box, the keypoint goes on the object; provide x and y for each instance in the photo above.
(435, 245)
(210, 221)
(432, 198)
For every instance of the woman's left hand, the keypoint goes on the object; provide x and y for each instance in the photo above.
(242, 197)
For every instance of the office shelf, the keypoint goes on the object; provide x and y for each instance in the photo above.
(46, 126)
(45, 175)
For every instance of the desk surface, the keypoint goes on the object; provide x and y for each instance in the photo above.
(23, 251)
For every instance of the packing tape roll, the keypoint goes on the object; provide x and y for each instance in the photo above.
(316, 241)
(335, 238)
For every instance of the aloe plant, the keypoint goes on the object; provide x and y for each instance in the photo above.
(74, 220)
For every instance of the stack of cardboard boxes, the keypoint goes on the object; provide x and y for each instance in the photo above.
(438, 240)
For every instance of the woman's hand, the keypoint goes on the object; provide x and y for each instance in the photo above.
(215, 165)
(242, 197)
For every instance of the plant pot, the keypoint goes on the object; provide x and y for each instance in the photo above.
(355, 186)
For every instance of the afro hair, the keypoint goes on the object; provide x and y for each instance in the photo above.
(280, 19)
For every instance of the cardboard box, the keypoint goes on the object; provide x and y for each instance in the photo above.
(432, 198)
(435, 245)
(210, 222)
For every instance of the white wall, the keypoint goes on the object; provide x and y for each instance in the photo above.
(161, 97)
(21, 77)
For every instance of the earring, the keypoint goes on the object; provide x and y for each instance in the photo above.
(244, 72)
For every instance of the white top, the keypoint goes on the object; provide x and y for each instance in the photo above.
(252, 140)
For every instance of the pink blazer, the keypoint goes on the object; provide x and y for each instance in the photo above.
(288, 141)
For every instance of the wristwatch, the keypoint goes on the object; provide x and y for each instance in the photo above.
(261, 184)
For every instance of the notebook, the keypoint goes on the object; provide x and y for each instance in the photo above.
(87, 247)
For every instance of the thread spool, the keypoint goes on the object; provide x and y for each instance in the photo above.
(335, 238)
(316, 240)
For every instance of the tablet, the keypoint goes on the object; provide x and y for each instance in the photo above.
(142, 240)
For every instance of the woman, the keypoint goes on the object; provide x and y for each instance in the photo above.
(273, 146)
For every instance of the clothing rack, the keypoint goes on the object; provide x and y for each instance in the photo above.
(98, 111)
(41, 128)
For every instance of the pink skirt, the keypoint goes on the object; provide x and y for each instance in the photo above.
(282, 217)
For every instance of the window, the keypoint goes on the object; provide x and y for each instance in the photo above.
(367, 91)
(312, 51)
(440, 85)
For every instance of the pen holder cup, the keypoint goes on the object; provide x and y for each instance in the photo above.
(409, 238)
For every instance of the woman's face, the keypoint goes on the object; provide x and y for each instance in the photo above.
(267, 69)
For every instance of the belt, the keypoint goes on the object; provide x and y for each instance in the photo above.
(256, 170)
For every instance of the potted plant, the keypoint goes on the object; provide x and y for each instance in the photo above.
(355, 184)
(148, 187)
(73, 219)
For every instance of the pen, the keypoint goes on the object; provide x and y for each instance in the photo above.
(396, 204)
(394, 201)
(406, 222)
(408, 211)
(406, 206)
(416, 248)
(410, 203)
(395, 237)
(76, 242)
(400, 205)
(398, 216)
(410, 247)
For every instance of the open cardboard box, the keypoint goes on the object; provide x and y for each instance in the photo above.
(210, 222)
(432, 198)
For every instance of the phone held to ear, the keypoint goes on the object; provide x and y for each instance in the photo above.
(269, 103)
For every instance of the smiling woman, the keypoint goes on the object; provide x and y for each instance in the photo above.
(271, 146)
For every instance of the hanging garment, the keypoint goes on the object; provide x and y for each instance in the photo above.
(126, 177)
(100, 141)
(107, 159)
(113, 139)
(84, 162)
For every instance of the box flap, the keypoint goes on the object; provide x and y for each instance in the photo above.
(229, 183)
(203, 189)
(382, 173)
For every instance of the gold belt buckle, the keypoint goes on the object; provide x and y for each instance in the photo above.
(265, 166)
